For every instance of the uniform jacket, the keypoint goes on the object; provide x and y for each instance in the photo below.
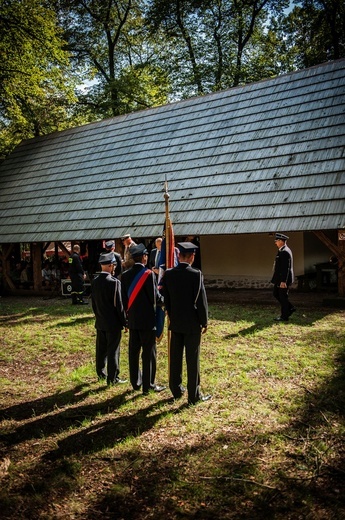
(118, 268)
(142, 313)
(75, 265)
(282, 267)
(152, 259)
(107, 302)
(286, 248)
(185, 298)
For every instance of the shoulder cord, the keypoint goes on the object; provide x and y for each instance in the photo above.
(199, 289)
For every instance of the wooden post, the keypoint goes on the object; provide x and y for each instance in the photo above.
(6, 266)
(341, 262)
(37, 265)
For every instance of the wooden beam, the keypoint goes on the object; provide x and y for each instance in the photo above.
(64, 249)
(9, 281)
(339, 252)
(6, 251)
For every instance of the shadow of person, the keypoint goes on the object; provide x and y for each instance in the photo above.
(56, 422)
(101, 435)
(44, 405)
(246, 332)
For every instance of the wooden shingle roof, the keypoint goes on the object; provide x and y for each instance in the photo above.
(257, 158)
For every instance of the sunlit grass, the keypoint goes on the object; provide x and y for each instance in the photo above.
(275, 419)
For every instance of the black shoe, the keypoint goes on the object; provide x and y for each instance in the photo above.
(102, 377)
(202, 399)
(292, 310)
(117, 381)
(159, 388)
(83, 303)
(156, 388)
(182, 390)
(279, 318)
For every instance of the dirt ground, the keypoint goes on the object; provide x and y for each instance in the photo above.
(261, 296)
(265, 297)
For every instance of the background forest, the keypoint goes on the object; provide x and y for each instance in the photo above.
(64, 63)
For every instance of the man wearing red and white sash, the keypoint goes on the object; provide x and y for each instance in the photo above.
(140, 297)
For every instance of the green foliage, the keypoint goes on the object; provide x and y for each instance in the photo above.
(36, 89)
(68, 62)
(214, 44)
(315, 32)
(109, 40)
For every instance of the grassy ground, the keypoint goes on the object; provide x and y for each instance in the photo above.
(268, 445)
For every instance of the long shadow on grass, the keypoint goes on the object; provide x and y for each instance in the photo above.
(262, 317)
(198, 481)
(58, 421)
(24, 318)
(45, 405)
(102, 435)
(72, 322)
(318, 444)
(53, 475)
(223, 478)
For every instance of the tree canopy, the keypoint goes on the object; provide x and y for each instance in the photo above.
(36, 84)
(67, 62)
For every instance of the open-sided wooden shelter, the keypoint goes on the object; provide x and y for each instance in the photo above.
(241, 164)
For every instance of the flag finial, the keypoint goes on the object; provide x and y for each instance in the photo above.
(166, 194)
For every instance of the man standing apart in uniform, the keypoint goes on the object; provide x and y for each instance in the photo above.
(140, 297)
(186, 304)
(110, 320)
(77, 275)
(283, 277)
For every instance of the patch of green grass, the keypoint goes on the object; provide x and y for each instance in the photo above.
(269, 444)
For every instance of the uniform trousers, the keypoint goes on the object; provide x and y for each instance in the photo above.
(191, 342)
(108, 353)
(144, 341)
(282, 295)
(77, 282)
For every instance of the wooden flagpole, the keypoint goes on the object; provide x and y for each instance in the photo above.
(167, 226)
(167, 256)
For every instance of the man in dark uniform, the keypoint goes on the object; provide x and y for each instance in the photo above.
(77, 275)
(110, 320)
(140, 297)
(154, 260)
(283, 277)
(186, 303)
(110, 248)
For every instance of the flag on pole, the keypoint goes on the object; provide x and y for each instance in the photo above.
(167, 259)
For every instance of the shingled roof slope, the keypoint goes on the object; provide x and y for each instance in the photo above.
(265, 156)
